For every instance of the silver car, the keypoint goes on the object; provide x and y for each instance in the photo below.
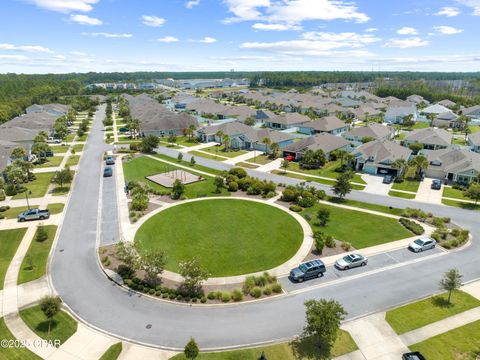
(351, 261)
(422, 244)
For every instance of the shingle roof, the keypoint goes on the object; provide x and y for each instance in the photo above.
(326, 124)
(435, 109)
(430, 136)
(455, 160)
(373, 130)
(253, 134)
(383, 151)
(474, 138)
(324, 141)
(290, 119)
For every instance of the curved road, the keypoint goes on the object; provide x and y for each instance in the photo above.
(76, 277)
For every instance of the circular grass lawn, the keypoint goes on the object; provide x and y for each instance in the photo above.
(230, 237)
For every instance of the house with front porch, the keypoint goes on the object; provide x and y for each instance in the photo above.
(430, 138)
(397, 111)
(328, 124)
(447, 120)
(323, 141)
(453, 165)
(377, 157)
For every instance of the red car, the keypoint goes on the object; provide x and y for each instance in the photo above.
(290, 158)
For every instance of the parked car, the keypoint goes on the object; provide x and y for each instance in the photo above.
(413, 356)
(107, 172)
(436, 184)
(33, 214)
(110, 160)
(422, 244)
(309, 270)
(52, 140)
(351, 261)
(388, 179)
(48, 153)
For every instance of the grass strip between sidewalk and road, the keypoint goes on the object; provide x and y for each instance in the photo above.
(11, 239)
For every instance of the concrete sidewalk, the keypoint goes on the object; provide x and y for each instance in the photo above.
(240, 158)
(273, 165)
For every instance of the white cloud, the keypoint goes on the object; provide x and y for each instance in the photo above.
(475, 4)
(407, 31)
(168, 39)
(85, 20)
(154, 21)
(77, 53)
(14, 57)
(65, 6)
(349, 39)
(275, 27)
(406, 43)
(293, 11)
(207, 40)
(26, 48)
(370, 30)
(107, 35)
(190, 4)
(447, 30)
(448, 11)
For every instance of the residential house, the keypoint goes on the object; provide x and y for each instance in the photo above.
(323, 141)
(372, 130)
(474, 141)
(397, 110)
(6, 148)
(447, 103)
(264, 115)
(166, 123)
(430, 138)
(436, 109)
(472, 112)
(244, 137)
(364, 112)
(287, 121)
(417, 99)
(446, 120)
(328, 124)
(377, 157)
(53, 109)
(453, 165)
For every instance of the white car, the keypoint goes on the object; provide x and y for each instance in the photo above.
(52, 140)
(351, 261)
(422, 244)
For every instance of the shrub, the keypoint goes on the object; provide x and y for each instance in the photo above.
(256, 292)
(319, 245)
(151, 291)
(158, 293)
(288, 195)
(211, 295)
(295, 208)
(165, 295)
(249, 284)
(179, 297)
(412, 226)
(139, 202)
(237, 295)
(2, 195)
(171, 296)
(414, 213)
(203, 299)
(226, 297)
(10, 190)
(277, 288)
(346, 246)
(126, 272)
(233, 186)
(256, 188)
(238, 172)
(267, 291)
(260, 280)
(330, 241)
(306, 202)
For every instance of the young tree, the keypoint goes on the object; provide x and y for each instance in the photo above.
(323, 322)
(219, 134)
(153, 263)
(50, 306)
(323, 216)
(191, 349)
(284, 165)
(149, 143)
(275, 149)
(190, 132)
(415, 147)
(62, 177)
(193, 275)
(226, 141)
(178, 189)
(452, 280)
(401, 166)
(266, 141)
(473, 192)
(250, 121)
(342, 186)
(126, 253)
(18, 153)
(180, 157)
(192, 161)
(219, 183)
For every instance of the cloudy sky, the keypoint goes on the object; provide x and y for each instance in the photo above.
(39, 36)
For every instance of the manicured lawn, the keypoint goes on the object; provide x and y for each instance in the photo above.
(113, 352)
(474, 128)
(364, 205)
(183, 140)
(141, 167)
(219, 150)
(420, 125)
(73, 160)
(247, 165)
(327, 171)
(356, 227)
(407, 185)
(60, 191)
(38, 253)
(8, 246)
(230, 237)
(53, 161)
(401, 195)
(18, 353)
(78, 147)
(459, 141)
(82, 138)
(62, 327)
(453, 193)
(282, 351)
(418, 314)
(13, 212)
(169, 145)
(59, 149)
(38, 187)
(212, 156)
(312, 179)
(461, 204)
(260, 159)
(70, 137)
(187, 164)
(460, 343)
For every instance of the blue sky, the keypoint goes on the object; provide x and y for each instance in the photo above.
(39, 36)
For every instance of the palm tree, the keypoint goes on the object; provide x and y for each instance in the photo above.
(431, 117)
(266, 140)
(340, 154)
(275, 148)
(226, 140)
(190, 131)
(420, 163)
(219, 134)
(400, 165)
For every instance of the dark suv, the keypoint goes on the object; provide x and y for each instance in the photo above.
(436, 184)
(309, 270)
(413, 356)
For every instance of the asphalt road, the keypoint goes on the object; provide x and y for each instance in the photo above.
(78, 280)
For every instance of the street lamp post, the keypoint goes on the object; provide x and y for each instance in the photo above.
(26, 197)
(255, 152)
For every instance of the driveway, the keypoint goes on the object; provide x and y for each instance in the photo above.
(375, 185)
(426, 194)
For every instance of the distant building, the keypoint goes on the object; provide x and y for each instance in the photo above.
(328, 124)
(323, 141)
(372, 130)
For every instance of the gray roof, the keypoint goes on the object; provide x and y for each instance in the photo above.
(454, 160)
(290, 119)
(446, 103)
(325, 124)
(61, 108)
(6, 148)
(34, 120)
(15, 133)
(435, 109)
(473, 109)
(474, 139)
(324, 141)
(430, 136)
(373, 130)
(447, 116)
(382, 151)
(253, 134)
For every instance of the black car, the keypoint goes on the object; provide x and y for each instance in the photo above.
(309, 270)
(107, 172)
(388, 179)
(436, 184)
(413, 356)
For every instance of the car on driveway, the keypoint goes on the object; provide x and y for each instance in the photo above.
(422, 244)
(110, 160)
(33, 214)
(309, 270)
(413, 356)
(436, 184)
(388, 179)
(107, 172)
(351, 261)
